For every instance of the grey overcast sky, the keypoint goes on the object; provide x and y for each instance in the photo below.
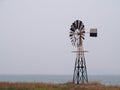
(34, 36)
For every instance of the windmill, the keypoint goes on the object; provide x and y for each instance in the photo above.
(77, 33)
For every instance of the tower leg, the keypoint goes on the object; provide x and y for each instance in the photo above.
(80, 71)
(74, 76)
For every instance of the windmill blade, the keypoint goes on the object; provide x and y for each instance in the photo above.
(71, 32)
(70, 35)
(77, 24)
(80, 22)
(83, 31)
(82, 27)
(74, 24)
(72, 40)
(83, 34)
(72, 29)
(73, 43)
(82, 37)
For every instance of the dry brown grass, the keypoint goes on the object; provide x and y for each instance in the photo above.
(53, 86)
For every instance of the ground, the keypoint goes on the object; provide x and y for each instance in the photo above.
(54, 86)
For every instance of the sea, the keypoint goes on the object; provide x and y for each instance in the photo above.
(104, 79)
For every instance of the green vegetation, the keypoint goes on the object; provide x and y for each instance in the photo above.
(52, 86)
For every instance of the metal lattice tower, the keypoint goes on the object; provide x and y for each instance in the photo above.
(77, 33)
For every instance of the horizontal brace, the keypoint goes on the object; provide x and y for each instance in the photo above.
(78, 51)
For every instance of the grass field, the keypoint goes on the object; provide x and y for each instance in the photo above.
(53, 86)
